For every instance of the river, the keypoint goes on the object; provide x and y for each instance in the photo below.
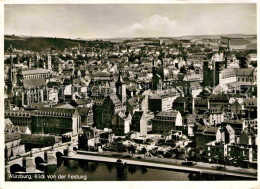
(82, 170)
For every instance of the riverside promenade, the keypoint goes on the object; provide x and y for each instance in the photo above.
(199, 168)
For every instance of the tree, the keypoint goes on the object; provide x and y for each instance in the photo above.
(191, 67)
(226, 162)
(143, 151)
(154, 151)
(183, 70)
(132, 149)
(179, 151)
(241, 56)
(243, 63)
(253, 63)
(120, 148)
(193, 155)
(168, 154)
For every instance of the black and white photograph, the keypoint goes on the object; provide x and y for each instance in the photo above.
(130, 92)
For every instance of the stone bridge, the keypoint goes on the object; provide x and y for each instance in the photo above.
(48, 155)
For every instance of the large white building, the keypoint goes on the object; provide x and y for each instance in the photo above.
(227, 76)
(216, 118)
(243, 75)
(36, 73)
(162, 101)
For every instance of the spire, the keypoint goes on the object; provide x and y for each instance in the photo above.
(119, 76)
(162, 62)
(10, 49)
(120, 79)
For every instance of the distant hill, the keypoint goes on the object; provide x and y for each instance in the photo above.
(39, 43)
(245, 36)
(45, 43)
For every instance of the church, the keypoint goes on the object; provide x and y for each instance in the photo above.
(164, 76)
(114, 108)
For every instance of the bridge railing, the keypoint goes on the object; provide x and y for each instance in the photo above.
(38, 150)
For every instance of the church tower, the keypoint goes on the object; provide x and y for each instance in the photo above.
(155, 78)
(10, 49)
(49, 62)
(12, 73)
(121, 89)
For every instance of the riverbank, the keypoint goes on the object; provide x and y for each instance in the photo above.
(165, 163)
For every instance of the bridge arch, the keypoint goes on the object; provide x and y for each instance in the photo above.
(59, 159)
(61, 150)
(75, 148)
(16, 168)
(45, 155)
(59, 154)
(38, 162)
(40, 154)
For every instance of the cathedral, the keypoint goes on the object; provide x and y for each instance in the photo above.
(164, 76)
(121, 89)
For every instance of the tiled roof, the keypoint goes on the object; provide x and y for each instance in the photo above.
(34, 72)
(195, 84)
(37, 105)
(12, 136)
(122, 115)
(37, 82)
(137, 115)
(23, 128)
(181, 100)
(167, 114)
(250, 101)
(134, 101)
(201, 102)
(82, 101)
(83, 111)
(155, 96)
(8, 122)
(200, 128)
(100, 74)
(244, 71)
(229, 129)
(218, 97)
(38, 139)
(56, 111)
(115, 99)
(210, 130)
(65, 106)
(19, 113)
(9, 126)
(226, 73)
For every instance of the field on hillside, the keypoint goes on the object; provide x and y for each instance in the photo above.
(39, 43)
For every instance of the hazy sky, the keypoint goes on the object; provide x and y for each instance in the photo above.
(107, 21)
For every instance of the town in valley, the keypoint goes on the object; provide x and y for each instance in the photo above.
(187, 101)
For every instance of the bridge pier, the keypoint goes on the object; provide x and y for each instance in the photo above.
(30, 164)
(7, 172)
(51, 158)
(70, 150)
